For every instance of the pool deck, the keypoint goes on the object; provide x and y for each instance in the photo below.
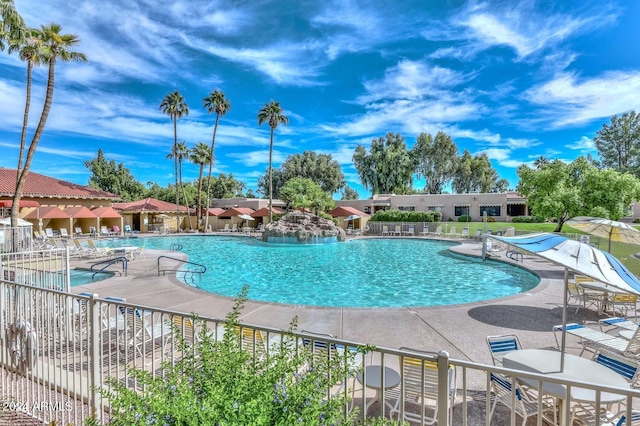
(458, 329)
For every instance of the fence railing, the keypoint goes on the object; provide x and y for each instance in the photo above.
(71, 343)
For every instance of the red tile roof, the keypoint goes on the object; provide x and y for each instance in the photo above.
(80, 213)
(236, 211)
(264, 212)
(38, 186)
(106, 212)
(50, 212)
(23, 203)
(215, 211)
(346, 211)
(148, 205)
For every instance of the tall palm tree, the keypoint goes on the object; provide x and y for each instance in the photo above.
(272, 114)
(175, 107)
(200, 155)
(179, 152)
(54, 46)
(218, 103)
(29, 51)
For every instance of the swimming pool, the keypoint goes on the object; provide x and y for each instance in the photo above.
(84, 276)
(357, 273)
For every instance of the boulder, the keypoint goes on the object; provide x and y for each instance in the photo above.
(303, 228)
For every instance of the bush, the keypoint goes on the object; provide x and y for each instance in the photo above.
(636, 220)
(491, 219)
(220, 382)
(525, 219)
(464, 218)
(402, 216)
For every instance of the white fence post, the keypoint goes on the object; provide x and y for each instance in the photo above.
(94, 361)
(443, 388)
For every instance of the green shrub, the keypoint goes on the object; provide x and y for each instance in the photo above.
(408, 216)
(464, 218)
(525, 219)
(220, 382)
(491, 219)
(636, 220)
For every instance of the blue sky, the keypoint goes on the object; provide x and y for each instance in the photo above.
(515, 80)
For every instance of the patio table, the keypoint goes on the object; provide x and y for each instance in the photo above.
(575, 368)
(605, 289)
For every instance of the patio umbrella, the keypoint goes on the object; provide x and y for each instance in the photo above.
(246, 217)
(352, 217)
(579, 257)
(21, 222)
(615, 231)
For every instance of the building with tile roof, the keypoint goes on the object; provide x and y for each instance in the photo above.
(153, 215)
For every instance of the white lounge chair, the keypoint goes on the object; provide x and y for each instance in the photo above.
(64, 233)
(226, 228)
(594, 340)
(49, 233)
(385, 230)
(410, 230)
(142, 336)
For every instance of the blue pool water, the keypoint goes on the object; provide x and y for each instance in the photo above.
(83, 276)
(357, 273)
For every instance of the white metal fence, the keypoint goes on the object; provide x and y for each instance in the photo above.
(70, 344)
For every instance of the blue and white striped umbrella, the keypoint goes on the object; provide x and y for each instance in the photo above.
(579, 257)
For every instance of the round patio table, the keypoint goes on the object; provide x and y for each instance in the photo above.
(575, 368)
(373, 374)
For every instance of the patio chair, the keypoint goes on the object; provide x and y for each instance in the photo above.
(619, 322)
(526, 402)
(96, 251)
(77, 232)
(49, 233)
(410, 230)
(115, 230)
(501, 345)
(64, 233)
(145, 336)
(627, 368)
(593, 340)
(226, 228)
(127, 229)
(465, 233)
(139, 252)
(582, 297)
(385, 230)
(621, 302)
(104, 232)
(92, 231)
(419, 387)
(234, 228)
(452, 232)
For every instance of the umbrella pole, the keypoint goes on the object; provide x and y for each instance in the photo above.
(565, 301)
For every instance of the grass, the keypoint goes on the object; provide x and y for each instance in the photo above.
(622, 251)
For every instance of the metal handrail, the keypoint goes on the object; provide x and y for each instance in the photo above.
(109, 262)
(175, 247)
(184, 262)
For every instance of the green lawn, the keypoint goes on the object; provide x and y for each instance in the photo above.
(622, 251)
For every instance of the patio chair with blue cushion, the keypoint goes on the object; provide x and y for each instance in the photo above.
(594, 340)
(501, 345)
(144, 336)
(526, 400)
(627, 368)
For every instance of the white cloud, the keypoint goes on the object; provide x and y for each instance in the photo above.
(568, 100)
(584, 144)
(255, 158)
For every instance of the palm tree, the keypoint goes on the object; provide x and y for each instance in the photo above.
(272, 114)
(200, 155)
(29, 51)
(54, 46)
(175, 107)
(179, 152)
(218, 103)
(12, 26)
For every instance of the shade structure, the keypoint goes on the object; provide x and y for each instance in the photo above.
(264, 212)
(612, 230)
(352, 217)
(245, 217)
(21, 222)
(579, 257)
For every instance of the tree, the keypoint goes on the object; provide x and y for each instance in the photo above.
(619, 143)
(200, 155)
(108, 176)
(303, 192)
(54, 46)
(387, 168)
(435, 160)
(561, 191)
(218, 103)
(277, 179)
(272, 114)
(349, 193)
(174, 106)
(12, 27)
(226, 186)
(476, 174)
(320, 168)
(178, 154)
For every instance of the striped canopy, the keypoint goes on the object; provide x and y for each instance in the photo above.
(580, 257)
(612, 230)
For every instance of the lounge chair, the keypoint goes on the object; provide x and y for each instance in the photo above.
(593, 340)
(410, 230)
(115, 230)
(226, 228)
(453, 233)
(234, 228)
(465, 233)
(104, 232)
(64, 233)
(92, 231)
(385, 230)
(627, 368)
(77, 232)
(260, 227)
(127, 229)
(96, 251)
(145, 336)
(397, 230)
(49, 233)
(621, 302)
(420, 387)
(501, 345)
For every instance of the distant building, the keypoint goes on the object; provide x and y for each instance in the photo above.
(501, 206)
